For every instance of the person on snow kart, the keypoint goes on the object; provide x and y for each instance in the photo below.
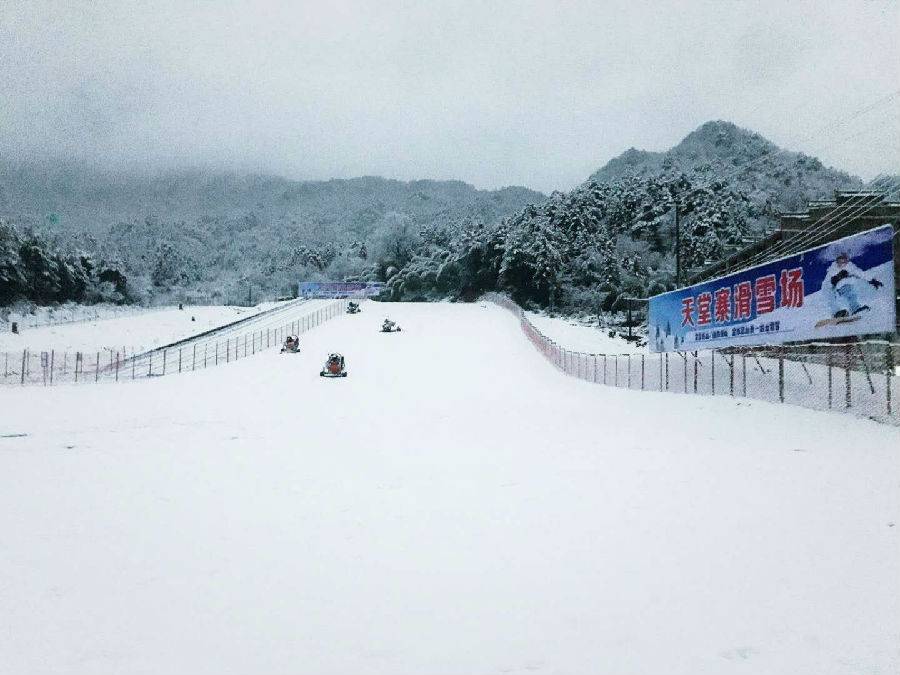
(334, 366)
(352, 307)
(389, 326)
(291, 344)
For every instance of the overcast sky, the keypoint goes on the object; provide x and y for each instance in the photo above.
(494, 93)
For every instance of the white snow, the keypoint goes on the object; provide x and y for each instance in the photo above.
(574, 335)
(135, 329)
(455, 505)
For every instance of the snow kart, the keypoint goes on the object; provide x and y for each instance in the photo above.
(390, 327)
(353, 308)
(334, 367)
(291, 345)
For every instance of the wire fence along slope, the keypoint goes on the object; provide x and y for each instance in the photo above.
(211, 348)
(854, 377)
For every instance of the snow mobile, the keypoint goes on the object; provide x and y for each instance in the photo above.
(353, 308)
(390, 327)
(291, 344)
(334, 367)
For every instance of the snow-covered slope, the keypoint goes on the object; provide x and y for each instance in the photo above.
(575, 336)
(456, 505)
(137, 330)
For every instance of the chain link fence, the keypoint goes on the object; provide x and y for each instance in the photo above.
(213, 348)
(855, 377)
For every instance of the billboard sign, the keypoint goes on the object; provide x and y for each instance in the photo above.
(839, 289)
(339, 289)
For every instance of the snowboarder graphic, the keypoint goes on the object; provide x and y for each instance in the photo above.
(840, 286)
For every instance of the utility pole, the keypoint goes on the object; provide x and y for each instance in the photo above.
(677, 247)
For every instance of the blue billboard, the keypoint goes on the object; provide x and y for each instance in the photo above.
(843, 288)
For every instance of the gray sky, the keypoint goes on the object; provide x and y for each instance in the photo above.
(494, 93)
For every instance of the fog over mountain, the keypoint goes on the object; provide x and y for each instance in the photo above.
(517, 93)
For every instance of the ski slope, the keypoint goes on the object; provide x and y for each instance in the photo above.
(455, 505)
(130, 331)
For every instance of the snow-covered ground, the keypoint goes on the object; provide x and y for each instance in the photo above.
(576, 336)
(455, 505)
(129, 329)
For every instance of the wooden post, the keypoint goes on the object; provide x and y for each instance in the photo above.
(77, 363)
(217, 353)
(227, 350)
(24, 360)
(781, 376)
(616, 366)
(117, 366)
(667, 371)
(695, 371)
(52, 359)
(744, 375)
(97, 369)
(194, 358)
(888, 374)
(629, 371)
(165, 355)
(179, 359)
(642, 372)
(150, 366)
(133, 365)
(205, 347)
(847, 395)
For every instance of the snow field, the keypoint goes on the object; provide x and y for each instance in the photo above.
(572, 335)
(455, 505)
(135, 331)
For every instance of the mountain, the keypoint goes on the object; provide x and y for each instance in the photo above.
(207, 236)
(612, 236)
(784, 179)
(75, 198)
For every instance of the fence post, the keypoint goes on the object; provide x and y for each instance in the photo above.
(97, 369)
(194, 358)
(217, 353)
(24, 359)
(150, 367)
(77, 360)
(629, 371)
(781, 376)
(165, 355)
(6, 366)
(616, 365)
(65, 368)
(205, 348)
(695, 371)
(744, 374)
(847, 397)
(888, 372)
(684, 356)
(667, 371)
(731, 376)
(52, 359)
(227, 350)
(642, 372)
(660, 372)
(179, 359)
(117, 365)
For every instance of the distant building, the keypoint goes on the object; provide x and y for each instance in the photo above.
(823, 221)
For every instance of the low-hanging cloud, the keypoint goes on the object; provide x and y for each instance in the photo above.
(538, 94)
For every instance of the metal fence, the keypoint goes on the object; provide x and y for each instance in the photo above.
(854, 377)
(205, 351)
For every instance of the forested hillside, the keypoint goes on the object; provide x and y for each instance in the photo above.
(613, 236)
